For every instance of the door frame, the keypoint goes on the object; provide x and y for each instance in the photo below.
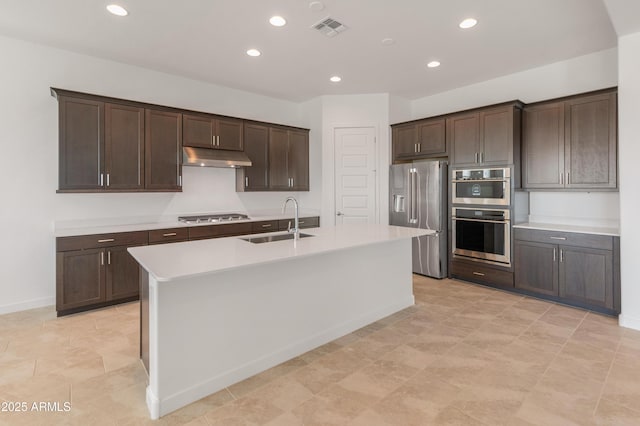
(331, 169)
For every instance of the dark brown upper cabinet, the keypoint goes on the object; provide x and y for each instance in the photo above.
(288, 160)
(256, 146)
(209, 131)
(163, 149)
(486, 137)
(124, 147)
(81, 147)
(571, 143)
(422, 139)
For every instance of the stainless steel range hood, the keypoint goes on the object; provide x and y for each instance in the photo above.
(205, 157)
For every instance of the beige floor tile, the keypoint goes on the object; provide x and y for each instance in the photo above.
(463, 355)
(244, 411)
(610, 413)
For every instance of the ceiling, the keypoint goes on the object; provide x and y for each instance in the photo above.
(207, 39)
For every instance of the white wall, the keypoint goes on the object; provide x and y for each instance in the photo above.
(582, 74)
(29, 140)
(629, 150)
(355, 111)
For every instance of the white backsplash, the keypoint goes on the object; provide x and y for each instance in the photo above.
(600, 209)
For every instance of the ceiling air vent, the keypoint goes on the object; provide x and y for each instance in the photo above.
(329, 27)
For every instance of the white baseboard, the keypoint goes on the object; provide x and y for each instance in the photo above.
(629, 322)
(29, 304)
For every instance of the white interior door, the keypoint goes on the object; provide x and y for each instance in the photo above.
(355, 175)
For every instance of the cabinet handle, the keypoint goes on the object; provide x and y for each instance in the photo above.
(301, 222)
(170, 234)
(561, 178)
(561, 255)
(101, 179)
(292, 182)
(102, 258)
(218, 140)
(481, 157)
(268, 225)
(478, 273)
(179, 180)
(568, 181)
(108, 258)
(246, 181)
(213, 140)
(554, 254)
(419, 146)
(107, 240)
(558, 238)
(476, 158)
(108, 180)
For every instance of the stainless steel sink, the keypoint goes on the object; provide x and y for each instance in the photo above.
(271, 238)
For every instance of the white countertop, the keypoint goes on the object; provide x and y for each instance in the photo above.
(76, 228)
(168, 262)
(569, 228)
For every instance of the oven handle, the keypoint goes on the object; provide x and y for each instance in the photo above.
(481, 220)
(479, 180)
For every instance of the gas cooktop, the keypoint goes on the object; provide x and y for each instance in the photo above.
(213, 218)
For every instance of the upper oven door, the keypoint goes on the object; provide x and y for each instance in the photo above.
(481, 187)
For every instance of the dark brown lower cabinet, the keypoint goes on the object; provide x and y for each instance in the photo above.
(578, 269)
(93, 271)
(481, 273)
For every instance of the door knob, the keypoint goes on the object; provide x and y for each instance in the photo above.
(339, 214)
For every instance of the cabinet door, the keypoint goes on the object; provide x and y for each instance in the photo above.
(591, 141)
(124, 147)
(198, 131)
(81, 156)
(586, 276)
(431, 137)
(80, 278)
(256, 146)
(536, 267)
(229, 134)
(543, 141)
(404, 141)
(298, 160)
(496, 136)
(123, 274)
(464, 139)
(163, 147)
(278, 159)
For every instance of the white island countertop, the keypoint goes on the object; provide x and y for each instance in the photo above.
(167, 262)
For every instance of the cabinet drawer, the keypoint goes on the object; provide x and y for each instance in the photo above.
(101, 240)
(168, 235)
(216, 231)
(603, 242)
(304, 222)
(264, 226)
(473, 271)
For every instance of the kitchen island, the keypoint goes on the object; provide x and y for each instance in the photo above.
(215, 312)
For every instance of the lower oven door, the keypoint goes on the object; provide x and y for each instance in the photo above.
(485, 240)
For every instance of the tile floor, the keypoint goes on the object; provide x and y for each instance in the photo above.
(463, 355)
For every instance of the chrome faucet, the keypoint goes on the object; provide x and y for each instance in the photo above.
(295, 230)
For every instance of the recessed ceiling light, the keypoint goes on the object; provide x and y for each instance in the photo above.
(253, 52)
(336, 79)
(468, 23)
(117, 10)
(316, 5)
(433, 64)
(277, 21)
(388, 41)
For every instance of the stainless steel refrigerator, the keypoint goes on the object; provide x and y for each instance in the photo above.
(418, 199)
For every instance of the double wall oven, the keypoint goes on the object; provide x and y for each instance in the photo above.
(481, 215)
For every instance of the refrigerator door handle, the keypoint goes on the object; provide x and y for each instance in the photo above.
(413, 195)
